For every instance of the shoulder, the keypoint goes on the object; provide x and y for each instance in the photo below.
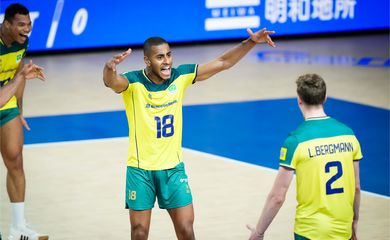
(341, 126)
(291, 141)
(133, 76)
(185, 69)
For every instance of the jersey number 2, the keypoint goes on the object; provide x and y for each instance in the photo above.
(165, 126)
(339, 173)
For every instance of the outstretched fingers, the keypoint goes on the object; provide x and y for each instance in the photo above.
(261, 36)
(32, 71)
(120, 57)
(117, 59)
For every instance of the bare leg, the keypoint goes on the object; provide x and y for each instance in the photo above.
(11, 145)
(140, 223)
(183, 220)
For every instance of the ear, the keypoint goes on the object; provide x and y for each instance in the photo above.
(7, 24)
(147, 61)
(299, 99)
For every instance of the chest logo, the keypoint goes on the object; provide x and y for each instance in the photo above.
(18, 57)
(172, 89)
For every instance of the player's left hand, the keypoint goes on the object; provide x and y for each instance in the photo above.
(24, 123)
(254, 234)
(261, 36)
(32, 71)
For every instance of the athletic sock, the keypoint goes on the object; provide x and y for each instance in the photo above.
(18, 215)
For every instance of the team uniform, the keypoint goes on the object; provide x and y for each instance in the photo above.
(322, 151)
(154, 114)
(10, 58)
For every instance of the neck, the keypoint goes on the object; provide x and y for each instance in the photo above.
(153, 77)
(313, 111)
(6, 40)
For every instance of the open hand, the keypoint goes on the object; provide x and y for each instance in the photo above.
(32, 71)
(116, 59)
(261, 36)
(24, 123)
(254, 234)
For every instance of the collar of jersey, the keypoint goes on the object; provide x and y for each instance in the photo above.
(317, 118)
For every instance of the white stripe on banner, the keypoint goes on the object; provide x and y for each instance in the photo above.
(231, 3)
(213, 24)
(54, 23)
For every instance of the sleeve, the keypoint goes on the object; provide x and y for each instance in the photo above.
(189, 71)
(357, 152)
(128, 76)
(288, 154)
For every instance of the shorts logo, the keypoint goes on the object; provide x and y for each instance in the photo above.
(283, 153)
(132, 195)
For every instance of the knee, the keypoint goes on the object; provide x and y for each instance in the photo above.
(186, 231)
(14, 162)
(139, 232)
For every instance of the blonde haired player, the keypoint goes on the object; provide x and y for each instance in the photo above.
(324, 154)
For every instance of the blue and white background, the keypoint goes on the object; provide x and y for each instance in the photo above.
(72, 24)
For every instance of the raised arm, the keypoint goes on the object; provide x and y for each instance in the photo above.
(27, 72)
(233, 55)
(110, 77)
(273, 203)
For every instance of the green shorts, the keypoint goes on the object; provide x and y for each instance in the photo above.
(299, 237)
(8, 114)
(170, 186)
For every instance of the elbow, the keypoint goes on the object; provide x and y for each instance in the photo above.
(106, 82)
(277, 199)
(357, 189)
(226, 66)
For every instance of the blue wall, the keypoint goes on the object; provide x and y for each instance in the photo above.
(72, 24)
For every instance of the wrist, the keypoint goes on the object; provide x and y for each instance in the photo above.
(259, 234)
(109, 66)
(20, 75)
(249, 41)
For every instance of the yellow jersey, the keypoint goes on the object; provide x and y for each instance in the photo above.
(154, 115)
(10, 58)
(322, 151)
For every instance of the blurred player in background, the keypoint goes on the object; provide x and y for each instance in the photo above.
(324, 154)
(153, 101)
(13, 44)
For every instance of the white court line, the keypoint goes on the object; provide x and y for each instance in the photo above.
(117, 139)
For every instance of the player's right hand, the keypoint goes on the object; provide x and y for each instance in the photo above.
(116, 59)
(254, 234)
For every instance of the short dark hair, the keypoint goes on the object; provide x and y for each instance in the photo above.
(153, 41)
(14, 9)
(311, 88)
